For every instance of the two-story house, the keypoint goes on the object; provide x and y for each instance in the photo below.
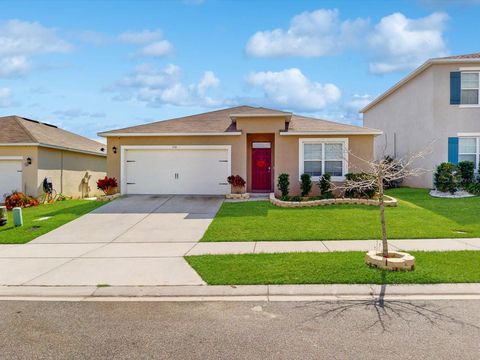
(439, 103)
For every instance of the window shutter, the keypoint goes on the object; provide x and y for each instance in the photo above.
(455, 87)
(453, 150)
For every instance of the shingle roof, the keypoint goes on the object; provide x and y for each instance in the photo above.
(18, 130)
(461, 57)
(220, 122)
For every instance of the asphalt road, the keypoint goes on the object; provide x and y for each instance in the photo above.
(226, 330)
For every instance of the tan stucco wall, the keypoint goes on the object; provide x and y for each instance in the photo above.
(285, 154)
(29, 172)
(420, 113)
(67, 170)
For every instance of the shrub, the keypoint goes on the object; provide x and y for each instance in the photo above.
(466, 170)
(324, 184)
(360, 193)
(447, 178)
(295, 198)
(394, 183)
(236, 181)
(107, 184)
(473, 188)
(305, 184)
(283, 184)
(19, 199)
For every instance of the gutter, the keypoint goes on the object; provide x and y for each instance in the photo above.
(293, 133)
(113, 134)
(55, 147)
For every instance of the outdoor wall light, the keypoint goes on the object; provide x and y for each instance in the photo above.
(102, 149)
(114, 149)
(29, 161)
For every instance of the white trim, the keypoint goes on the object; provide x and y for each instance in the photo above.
(123, 148)
(469, 68)
(413, 74)
(293, 133)
(469, 105)
(231, 133)
(475, 134)
(302, 141)
(57, 147)
(11, 158)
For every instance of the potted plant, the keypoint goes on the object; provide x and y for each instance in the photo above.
(238, 184)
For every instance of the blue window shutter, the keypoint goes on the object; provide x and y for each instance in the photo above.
(453, 150)
(455, 87)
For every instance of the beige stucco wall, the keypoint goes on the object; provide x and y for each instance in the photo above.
(420, 113)
(68, 169)
(285, 154)
(29, 172)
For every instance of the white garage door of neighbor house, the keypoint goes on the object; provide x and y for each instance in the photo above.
(196, 171)
(10, 176)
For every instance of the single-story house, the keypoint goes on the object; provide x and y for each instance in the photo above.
(31, 151)
(195, 154)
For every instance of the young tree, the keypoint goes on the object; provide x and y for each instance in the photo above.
(380, 172)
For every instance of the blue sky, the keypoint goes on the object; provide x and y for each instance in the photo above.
(90, 66)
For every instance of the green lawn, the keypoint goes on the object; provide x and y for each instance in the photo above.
(418, 215)
(333, 268)
(60, 213)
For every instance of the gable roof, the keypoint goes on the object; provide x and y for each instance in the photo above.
(220, 122)
(22, 131)
(474, 57)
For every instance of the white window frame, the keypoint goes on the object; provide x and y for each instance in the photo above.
(323, 141)
(477, 88)
(477, 153)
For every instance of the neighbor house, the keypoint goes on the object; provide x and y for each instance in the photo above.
(437, 104)
(195, 154)
(31, 151)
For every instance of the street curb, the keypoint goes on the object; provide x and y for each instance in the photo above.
(242, 293)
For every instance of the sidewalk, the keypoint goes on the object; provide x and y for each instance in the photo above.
(263, 247)
(242, 293)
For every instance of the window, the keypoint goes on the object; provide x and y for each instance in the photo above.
(469, 150)
(323, 156)
(470, 88)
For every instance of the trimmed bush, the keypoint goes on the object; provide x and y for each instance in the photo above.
(394, 183)
(305, 184)
(19, 199)
(360, 193)
(447, 178)
(107, 185)
(284, 184)
(466, 170)
(473, 188)
(324, 184)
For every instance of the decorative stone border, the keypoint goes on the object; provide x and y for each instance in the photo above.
(396, 260)
(238, 196)
(460, 194)
(108, 197)
(389, 201)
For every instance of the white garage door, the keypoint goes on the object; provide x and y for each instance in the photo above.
(176, 170)
(10, 176)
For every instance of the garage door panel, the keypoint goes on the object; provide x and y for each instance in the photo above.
(177, 171)
(10, 176)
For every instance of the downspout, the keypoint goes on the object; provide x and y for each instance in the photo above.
(61, 172)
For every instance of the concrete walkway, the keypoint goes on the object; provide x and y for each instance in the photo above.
(126, 242)
(263, 247)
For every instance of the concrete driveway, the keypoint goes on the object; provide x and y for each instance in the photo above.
(135, 240)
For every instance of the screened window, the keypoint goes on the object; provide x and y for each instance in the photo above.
(470, 88)
(468, 150)
(323, 158)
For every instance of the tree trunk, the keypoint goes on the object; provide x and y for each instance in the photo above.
(382, 215)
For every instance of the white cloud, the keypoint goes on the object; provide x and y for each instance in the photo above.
(78, 113)
(291, 89)
(19, 40)
(157, 48)
(159, 86)
(5, 97)
(13, 66)
(311, 34)
(358, 102)
(153, 42)
(140, 37)
(400, 43)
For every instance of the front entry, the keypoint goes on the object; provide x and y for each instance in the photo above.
(261, 166)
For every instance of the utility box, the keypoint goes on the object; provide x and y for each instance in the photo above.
(17, 217)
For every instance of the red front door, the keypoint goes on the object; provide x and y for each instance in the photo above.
(261, 167)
